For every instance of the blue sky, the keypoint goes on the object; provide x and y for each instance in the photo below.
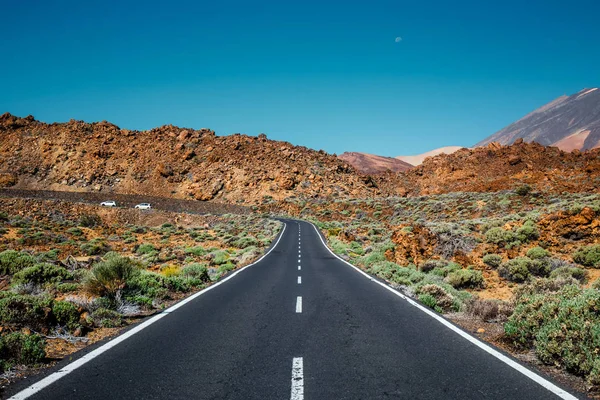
(324, 74)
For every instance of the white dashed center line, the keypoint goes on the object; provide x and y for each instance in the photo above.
(299, 305)
(297, 379)
(299, 267)
(299, 280)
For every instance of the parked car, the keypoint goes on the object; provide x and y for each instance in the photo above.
(109, 203)
(143, 206)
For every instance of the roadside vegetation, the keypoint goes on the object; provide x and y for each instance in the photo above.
(70, 276)
(523, 261)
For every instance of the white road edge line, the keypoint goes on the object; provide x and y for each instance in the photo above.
(67, 369)
(299, 305)
(563, 394)
(297, 379)
(299, 280)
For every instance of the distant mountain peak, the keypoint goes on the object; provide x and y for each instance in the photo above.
(373, 164)
(568, 122)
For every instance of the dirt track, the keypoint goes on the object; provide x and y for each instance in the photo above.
(130, 200)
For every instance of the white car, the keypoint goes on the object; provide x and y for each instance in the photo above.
(109, 203)
(143, 206)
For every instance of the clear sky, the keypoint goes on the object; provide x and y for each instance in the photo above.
(328, 75)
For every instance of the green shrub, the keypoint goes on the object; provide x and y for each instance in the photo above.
(149, 284)
(373, 257)
(12, 261)
(444, 301)
(244, 242)
(564, 327)
(516, 270)
(219, 257)
(66, 314)
(357, 248)
(42, 273)
(429, 301)
(182, 283)
(75, 231)
(94, 247)
(528, 232)
(499, 236)
(67, 287)
(492, 260)
(106, 318)
(26, 311)
(90, 220)
(228, 266)
(465, 278)
(574, 272)
(18, 348)
(444, 271)
(145, 248)
(430, 265)
(196, 270)
(537, 253)
(523, 190)
(588, 256)
(196, 250)
(111, 275)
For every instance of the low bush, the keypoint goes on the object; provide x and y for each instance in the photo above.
(489, 310)
(430, 265)
(111, 275)
(42, 273)
(182, 283)
(465, 278)
(429, 301)
(443, 300)
(537, 253)
(244, 242)
(25, 311)
(145, 248)
(66, 314)
(492, 260)
(499, 236)
(95, 247)
(18, 348)
(588, 256)
(516, 270)
(219, 257)
(196, 270)
(446, 270)
(149, 284)
(527, 232)
(90, 220)
(196, 250)
(12, 261)
(563, 326)
(75, 232)
(523, 190)
(579, 274)
(105, 318)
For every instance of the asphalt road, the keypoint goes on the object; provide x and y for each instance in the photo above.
(298, 324)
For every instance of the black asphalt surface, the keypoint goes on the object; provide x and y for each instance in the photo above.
(237, 341)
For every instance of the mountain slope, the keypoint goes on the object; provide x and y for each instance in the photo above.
(168, 161)
(419, 158)
(496, 167)
(569, 123)
(372, 164)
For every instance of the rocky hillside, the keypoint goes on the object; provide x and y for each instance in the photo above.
(372, 164)
(569, 123)
(168, 161)
(496, 167)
